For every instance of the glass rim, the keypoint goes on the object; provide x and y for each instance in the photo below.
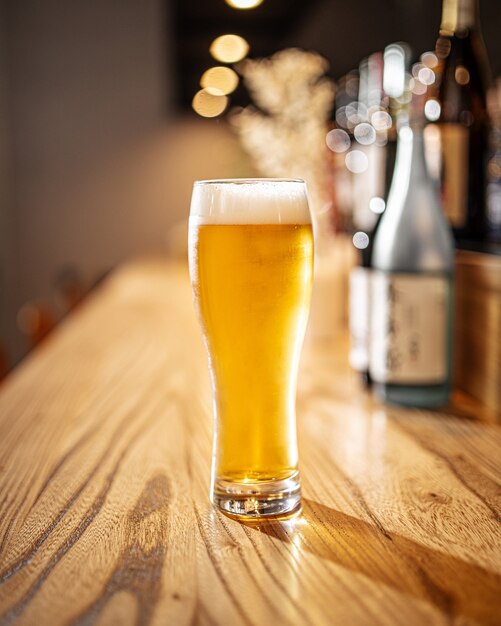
(247, 181)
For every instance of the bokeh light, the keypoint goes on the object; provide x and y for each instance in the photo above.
(356, 161)
(338, 140)
(415, 69)
(377, 204)
(417, 87)
(405, 134)
(365, 134)
(462, 75)
(432, 110)
(381, 120)
(219, 80)
(356, 112)
(208, 104)
(244, 4)
(394, 70)
(443, 47)
(429, 59)
(426, 76)
(341, 118)
(229, 48)
(360, 240)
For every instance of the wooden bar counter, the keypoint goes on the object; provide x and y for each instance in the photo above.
(104, 468)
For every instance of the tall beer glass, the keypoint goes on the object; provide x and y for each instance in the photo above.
(251, 263)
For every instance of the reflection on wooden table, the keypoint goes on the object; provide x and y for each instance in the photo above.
(104, 468)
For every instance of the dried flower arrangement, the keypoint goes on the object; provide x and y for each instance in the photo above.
(285, 132)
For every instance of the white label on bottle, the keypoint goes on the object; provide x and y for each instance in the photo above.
(359, 318)
(409, 328)
(454, 152)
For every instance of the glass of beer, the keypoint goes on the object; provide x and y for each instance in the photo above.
(251, 266)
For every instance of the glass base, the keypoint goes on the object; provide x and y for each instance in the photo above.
(260, 500)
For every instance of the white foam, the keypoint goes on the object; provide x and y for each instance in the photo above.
(250, 201)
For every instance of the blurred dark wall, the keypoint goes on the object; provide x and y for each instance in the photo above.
(81, 83)
(345, 31)
(6, 213)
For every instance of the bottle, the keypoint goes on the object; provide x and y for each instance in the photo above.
(381, 87)
(338, 140)
(463, 120)
(412, 281)
(367, 167)
(494, 170)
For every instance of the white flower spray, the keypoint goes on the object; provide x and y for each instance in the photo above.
(285, 132)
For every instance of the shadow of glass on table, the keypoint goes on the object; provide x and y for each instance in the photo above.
(454, 586)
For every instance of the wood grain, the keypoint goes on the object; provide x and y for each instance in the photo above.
(104, 469)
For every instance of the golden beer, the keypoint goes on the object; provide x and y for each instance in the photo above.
(252, 286)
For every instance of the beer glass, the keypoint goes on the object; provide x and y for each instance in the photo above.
(251, 265)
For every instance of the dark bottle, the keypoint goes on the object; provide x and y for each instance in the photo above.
(368, 151)
(494, 171)
(463, 121)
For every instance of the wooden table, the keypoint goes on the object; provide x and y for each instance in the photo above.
(104, 470)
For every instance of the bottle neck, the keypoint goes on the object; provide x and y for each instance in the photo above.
(410, 167)
(459, 15)
(418, 167)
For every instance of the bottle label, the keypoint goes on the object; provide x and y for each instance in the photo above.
(409, 328)
(454, 169)
(359, 318)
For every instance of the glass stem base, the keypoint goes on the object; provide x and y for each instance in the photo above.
(280, 498)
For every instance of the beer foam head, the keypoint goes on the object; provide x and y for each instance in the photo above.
(250, 201)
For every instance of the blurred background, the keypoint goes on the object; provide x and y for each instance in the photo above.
(99, 140)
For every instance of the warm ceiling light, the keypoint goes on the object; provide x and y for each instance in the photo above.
(208, 104)
(243, 4)
(229, 48)
(219, 80)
